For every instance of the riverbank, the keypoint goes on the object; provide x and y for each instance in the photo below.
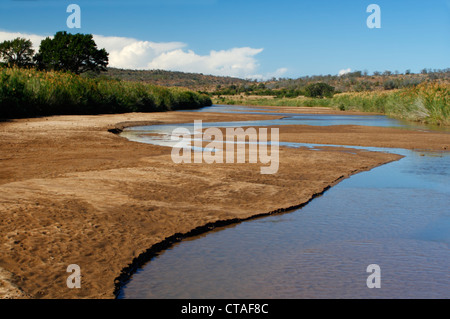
(425, 103)
(74, 193)
(29, 93)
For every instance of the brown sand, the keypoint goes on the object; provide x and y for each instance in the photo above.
(73, 193)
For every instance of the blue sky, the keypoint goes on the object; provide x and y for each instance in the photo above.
(249, 38)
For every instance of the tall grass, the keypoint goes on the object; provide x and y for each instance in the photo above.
(426, 102)
(270, 101)
(27, 92)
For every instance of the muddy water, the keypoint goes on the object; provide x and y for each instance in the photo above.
(395, 216)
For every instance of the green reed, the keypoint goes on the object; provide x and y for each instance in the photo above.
(27, 92)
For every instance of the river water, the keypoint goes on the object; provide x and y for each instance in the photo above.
(396, 216)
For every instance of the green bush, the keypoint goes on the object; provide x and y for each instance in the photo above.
(319, 90)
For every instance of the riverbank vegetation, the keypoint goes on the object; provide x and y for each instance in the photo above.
(426, 102)
(29, 92)
(63, 77)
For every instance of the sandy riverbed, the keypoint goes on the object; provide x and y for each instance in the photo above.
(73, 193)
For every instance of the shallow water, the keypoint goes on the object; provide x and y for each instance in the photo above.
(322, 119)
(395, 215)
(141, 133)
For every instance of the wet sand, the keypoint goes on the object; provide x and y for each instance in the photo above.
(71, 192)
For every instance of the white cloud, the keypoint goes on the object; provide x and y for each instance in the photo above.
(35, 39)
(344, 71)
(278, 73)
(238, 62)
(129, 53)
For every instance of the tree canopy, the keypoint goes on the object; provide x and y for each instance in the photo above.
(17, 52)
(319, 90)
(76, 53)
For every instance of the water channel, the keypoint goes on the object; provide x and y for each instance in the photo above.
(396, 216)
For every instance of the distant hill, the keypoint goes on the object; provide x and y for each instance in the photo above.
(359, 81)
(356, 81)
(195, 81)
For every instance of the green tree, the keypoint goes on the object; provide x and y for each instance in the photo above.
(17, 52)
(261, 86)
(319, 90)
(76, 53)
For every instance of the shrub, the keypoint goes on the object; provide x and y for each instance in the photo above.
(319, 90)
